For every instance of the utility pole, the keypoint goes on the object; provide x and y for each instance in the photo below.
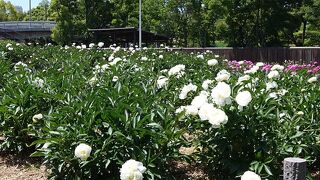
(140, 25)
(30, 17)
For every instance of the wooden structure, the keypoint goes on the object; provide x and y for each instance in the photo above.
(267, 54)
(127, 35)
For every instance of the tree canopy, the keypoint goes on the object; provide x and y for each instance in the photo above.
(242, 23)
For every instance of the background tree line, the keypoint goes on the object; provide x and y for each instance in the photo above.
(242, 23)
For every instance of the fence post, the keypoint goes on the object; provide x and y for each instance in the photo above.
(294, 169)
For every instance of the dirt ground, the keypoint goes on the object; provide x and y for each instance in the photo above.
(19, 167)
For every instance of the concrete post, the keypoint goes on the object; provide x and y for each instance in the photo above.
(294, 169)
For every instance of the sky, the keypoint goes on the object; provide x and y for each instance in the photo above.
(25, 3)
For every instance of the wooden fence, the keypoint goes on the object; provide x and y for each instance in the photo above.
(270, 54)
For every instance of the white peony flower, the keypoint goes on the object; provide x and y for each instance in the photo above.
(144, 58)
(313, 79)
(277, 67)
(200, 56)
(8, 45)
(221, 94)
(243, 98)
(200, 100)
(38, 82)
(259, 64)
(271, 85)
(10, 48)
(37, 117)
(205, 110)
(300, 113)
(20, 64)
(115, 61)
(83, 46)
(100, 44)
(253, 70)
(243, 78)
(217, 117)
(273, 95)
(110, 58)
(82, 151)
(91, 45)
(186, 89)
(132, 170)
(249, 175)
(223, 75)
(115, 78)
(212, 62)
(191, 110)
(160, 56)
(93, 80)
(176, 70)
(273, 74)
(162, 82)
(180, 109)
(206, 83)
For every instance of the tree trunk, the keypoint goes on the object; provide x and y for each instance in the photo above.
(304, 31)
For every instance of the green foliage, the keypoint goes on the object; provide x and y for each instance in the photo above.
(130, 117)
(8, 12)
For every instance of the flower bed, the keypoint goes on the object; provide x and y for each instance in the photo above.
(124, 113)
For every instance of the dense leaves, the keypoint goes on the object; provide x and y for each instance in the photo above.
(54, 98)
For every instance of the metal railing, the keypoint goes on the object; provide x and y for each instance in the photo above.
(22, 25)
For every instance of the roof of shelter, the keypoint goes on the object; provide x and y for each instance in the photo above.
(129, 34)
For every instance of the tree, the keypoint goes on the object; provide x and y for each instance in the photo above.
(8, 12)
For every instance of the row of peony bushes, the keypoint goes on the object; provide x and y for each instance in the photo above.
(94, 113)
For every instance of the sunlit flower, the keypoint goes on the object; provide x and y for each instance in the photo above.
(115, 78)
(212, 62)
(82, 151)
(259, 64)
(249, 175)
(206, 83)
(38, 82)
(100, 44)
(271, 85)
(243, 98)
(19, 65)
(177, 70)
(313, 79)
(162, 82)
(243, 78)
(277, 67)
(132, 170)
(221, 94)
(91, 45)
(186, 89)
(180, 109)
(144, 58)
(252, 70)
(200, 56)
(200, 100)
(273, 74)
(37, 117)
(223, 75)
(215, 116)
(300, 113)
(160, 56)
(191, 110)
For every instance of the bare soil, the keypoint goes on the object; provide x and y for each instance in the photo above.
(21, 167)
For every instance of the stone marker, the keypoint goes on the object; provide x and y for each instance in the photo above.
(294, 169)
